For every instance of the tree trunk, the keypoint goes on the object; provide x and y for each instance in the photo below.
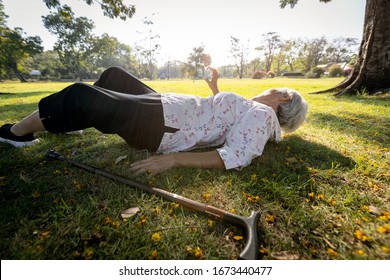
(372, 70)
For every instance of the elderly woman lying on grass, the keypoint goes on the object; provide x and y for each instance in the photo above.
(168, 124)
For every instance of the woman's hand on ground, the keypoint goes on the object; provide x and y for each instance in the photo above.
(153, 165)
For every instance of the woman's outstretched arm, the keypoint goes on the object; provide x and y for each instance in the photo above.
(213, 84)
(160, 163)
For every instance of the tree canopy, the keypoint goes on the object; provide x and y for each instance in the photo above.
(111, 8)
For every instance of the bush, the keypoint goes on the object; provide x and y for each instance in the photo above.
(335, 71)
(347, 71)
(271, 74)
(315, 73)
(292, 74)
(259, 75)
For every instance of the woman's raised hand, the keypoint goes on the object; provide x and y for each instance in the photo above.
(213, 83)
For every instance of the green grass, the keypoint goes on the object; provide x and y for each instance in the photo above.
(316, 190)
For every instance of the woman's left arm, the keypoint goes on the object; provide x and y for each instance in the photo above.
(213, 84)
(160, 163)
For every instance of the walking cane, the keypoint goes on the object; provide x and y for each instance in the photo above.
(249, 224)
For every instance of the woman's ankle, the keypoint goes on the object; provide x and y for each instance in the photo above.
(15, 129)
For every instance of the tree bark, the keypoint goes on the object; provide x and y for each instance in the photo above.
(14, 66)
(372, 70)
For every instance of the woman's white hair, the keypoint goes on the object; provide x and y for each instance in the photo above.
(293, 113)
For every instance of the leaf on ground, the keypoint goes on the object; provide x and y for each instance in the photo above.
(128, 213)
(373, 210)
(284, 256)
(119, 159)
(24, 177)
(292, 160)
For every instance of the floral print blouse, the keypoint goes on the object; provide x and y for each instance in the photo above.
(239, 127)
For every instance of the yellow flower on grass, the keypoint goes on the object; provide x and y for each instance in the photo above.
(115, 224)
(44, 235)
(383, 229)
(156, 237)
(153, 255)
(360, 253)
(77, 184)
(36, 195)
(269, 218)
(332, 252)
(210, 222)
(233, 211)
(331, 202)
(157, 211)
(263, 250)
(142, 221)
(238, 237)
(253, 178)
(88, 253)
(107, 221)
(57, 172)
(311, 195)
(320, 197)
(174, 205)
(385, 249)
(251, 198)
(361, 236)
(198, 253)
(206, 196)
(385, 216)
(357, 221)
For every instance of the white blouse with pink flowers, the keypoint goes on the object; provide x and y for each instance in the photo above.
(239, 127)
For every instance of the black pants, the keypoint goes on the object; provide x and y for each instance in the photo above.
(118, 103)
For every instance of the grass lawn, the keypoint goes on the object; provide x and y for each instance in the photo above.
(323, 192)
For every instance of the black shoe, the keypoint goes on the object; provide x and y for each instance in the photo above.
(6, 136)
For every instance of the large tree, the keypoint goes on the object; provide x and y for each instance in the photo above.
(372, 69)
(15, 46)
(74, 38)
(111, 8)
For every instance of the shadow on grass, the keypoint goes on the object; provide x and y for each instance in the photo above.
(18, 111)
(283, 172)
(9, 95)
(380, 100)
(362, 126)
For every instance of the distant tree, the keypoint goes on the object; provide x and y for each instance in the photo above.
(74, 38)
(146, 50)
(372, 69)
(111, 8)
(270, 43)
(341, 49)
(48, 63)
(199, 60)
(290, 49)
(239, 52)
(255, 64)
(313, 52)
(106, 51)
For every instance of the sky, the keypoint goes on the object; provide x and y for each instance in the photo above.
(183, 25)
